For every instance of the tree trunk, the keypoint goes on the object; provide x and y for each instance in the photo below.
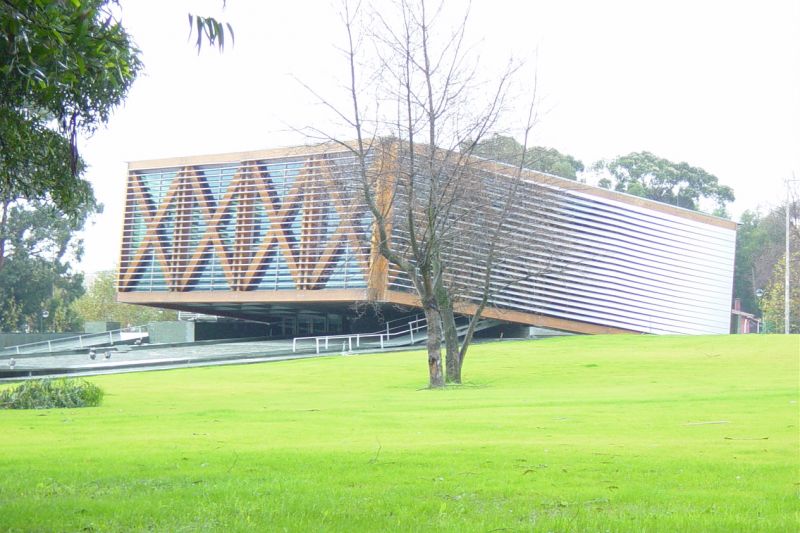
(434, 348)
(453, 358)
(3, 224)
(473, 323)
(452, 352)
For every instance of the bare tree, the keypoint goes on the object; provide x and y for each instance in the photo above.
(442, 218)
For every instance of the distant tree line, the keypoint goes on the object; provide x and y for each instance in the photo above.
(759, 279)
(99, 303)
(638, 173)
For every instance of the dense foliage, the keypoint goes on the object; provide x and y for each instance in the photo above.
(51, 394)
(99, 304)
(64, 66)
(760, 247)
(649, 176)
(508, 150)
(37, 246)
(773, 303)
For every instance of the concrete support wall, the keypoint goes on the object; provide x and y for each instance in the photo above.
(100, 327)
(171, 332)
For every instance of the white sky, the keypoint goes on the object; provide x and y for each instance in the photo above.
(712, 83)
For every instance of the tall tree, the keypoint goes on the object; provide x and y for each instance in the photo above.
(63, 67)
(774, 300)
(647, 175)
(760, 241)
(39, 245)
(507, 149)
(419, 109)
(99, 304)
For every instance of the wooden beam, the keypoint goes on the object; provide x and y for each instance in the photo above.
(384, 168)
(225, 297)
(353, 296)
(236, 157)
(518, 317)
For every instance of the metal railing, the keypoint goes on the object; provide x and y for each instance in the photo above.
(79, 341)
(415, 329)
(403, 321)
(188, 316)
(378, 339)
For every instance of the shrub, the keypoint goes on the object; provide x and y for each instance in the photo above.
(51, 393)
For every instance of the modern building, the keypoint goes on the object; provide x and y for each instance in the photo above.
(284, 237)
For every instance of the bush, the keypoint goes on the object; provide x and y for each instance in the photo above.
(51, 393)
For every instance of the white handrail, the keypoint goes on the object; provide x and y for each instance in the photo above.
(79, 338)
(382, 337)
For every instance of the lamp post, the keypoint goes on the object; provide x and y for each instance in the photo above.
(787, 326)
(759, 295)
(786, 293)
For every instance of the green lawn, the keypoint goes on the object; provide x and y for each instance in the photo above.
(606, 433)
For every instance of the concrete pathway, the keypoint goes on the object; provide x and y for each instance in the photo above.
(156, 357)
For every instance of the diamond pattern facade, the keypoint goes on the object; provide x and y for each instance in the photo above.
(237, 227)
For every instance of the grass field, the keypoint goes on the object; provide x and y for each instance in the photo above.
(607, 433)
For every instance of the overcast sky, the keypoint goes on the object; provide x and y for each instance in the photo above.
(712, 83)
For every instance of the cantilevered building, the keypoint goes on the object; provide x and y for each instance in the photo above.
(284, 235)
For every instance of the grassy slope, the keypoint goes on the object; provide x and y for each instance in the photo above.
(584, 433)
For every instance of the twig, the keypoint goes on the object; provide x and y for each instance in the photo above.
(377, 453)
(235, 460)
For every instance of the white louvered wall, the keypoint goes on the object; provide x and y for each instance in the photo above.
(611, 263)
